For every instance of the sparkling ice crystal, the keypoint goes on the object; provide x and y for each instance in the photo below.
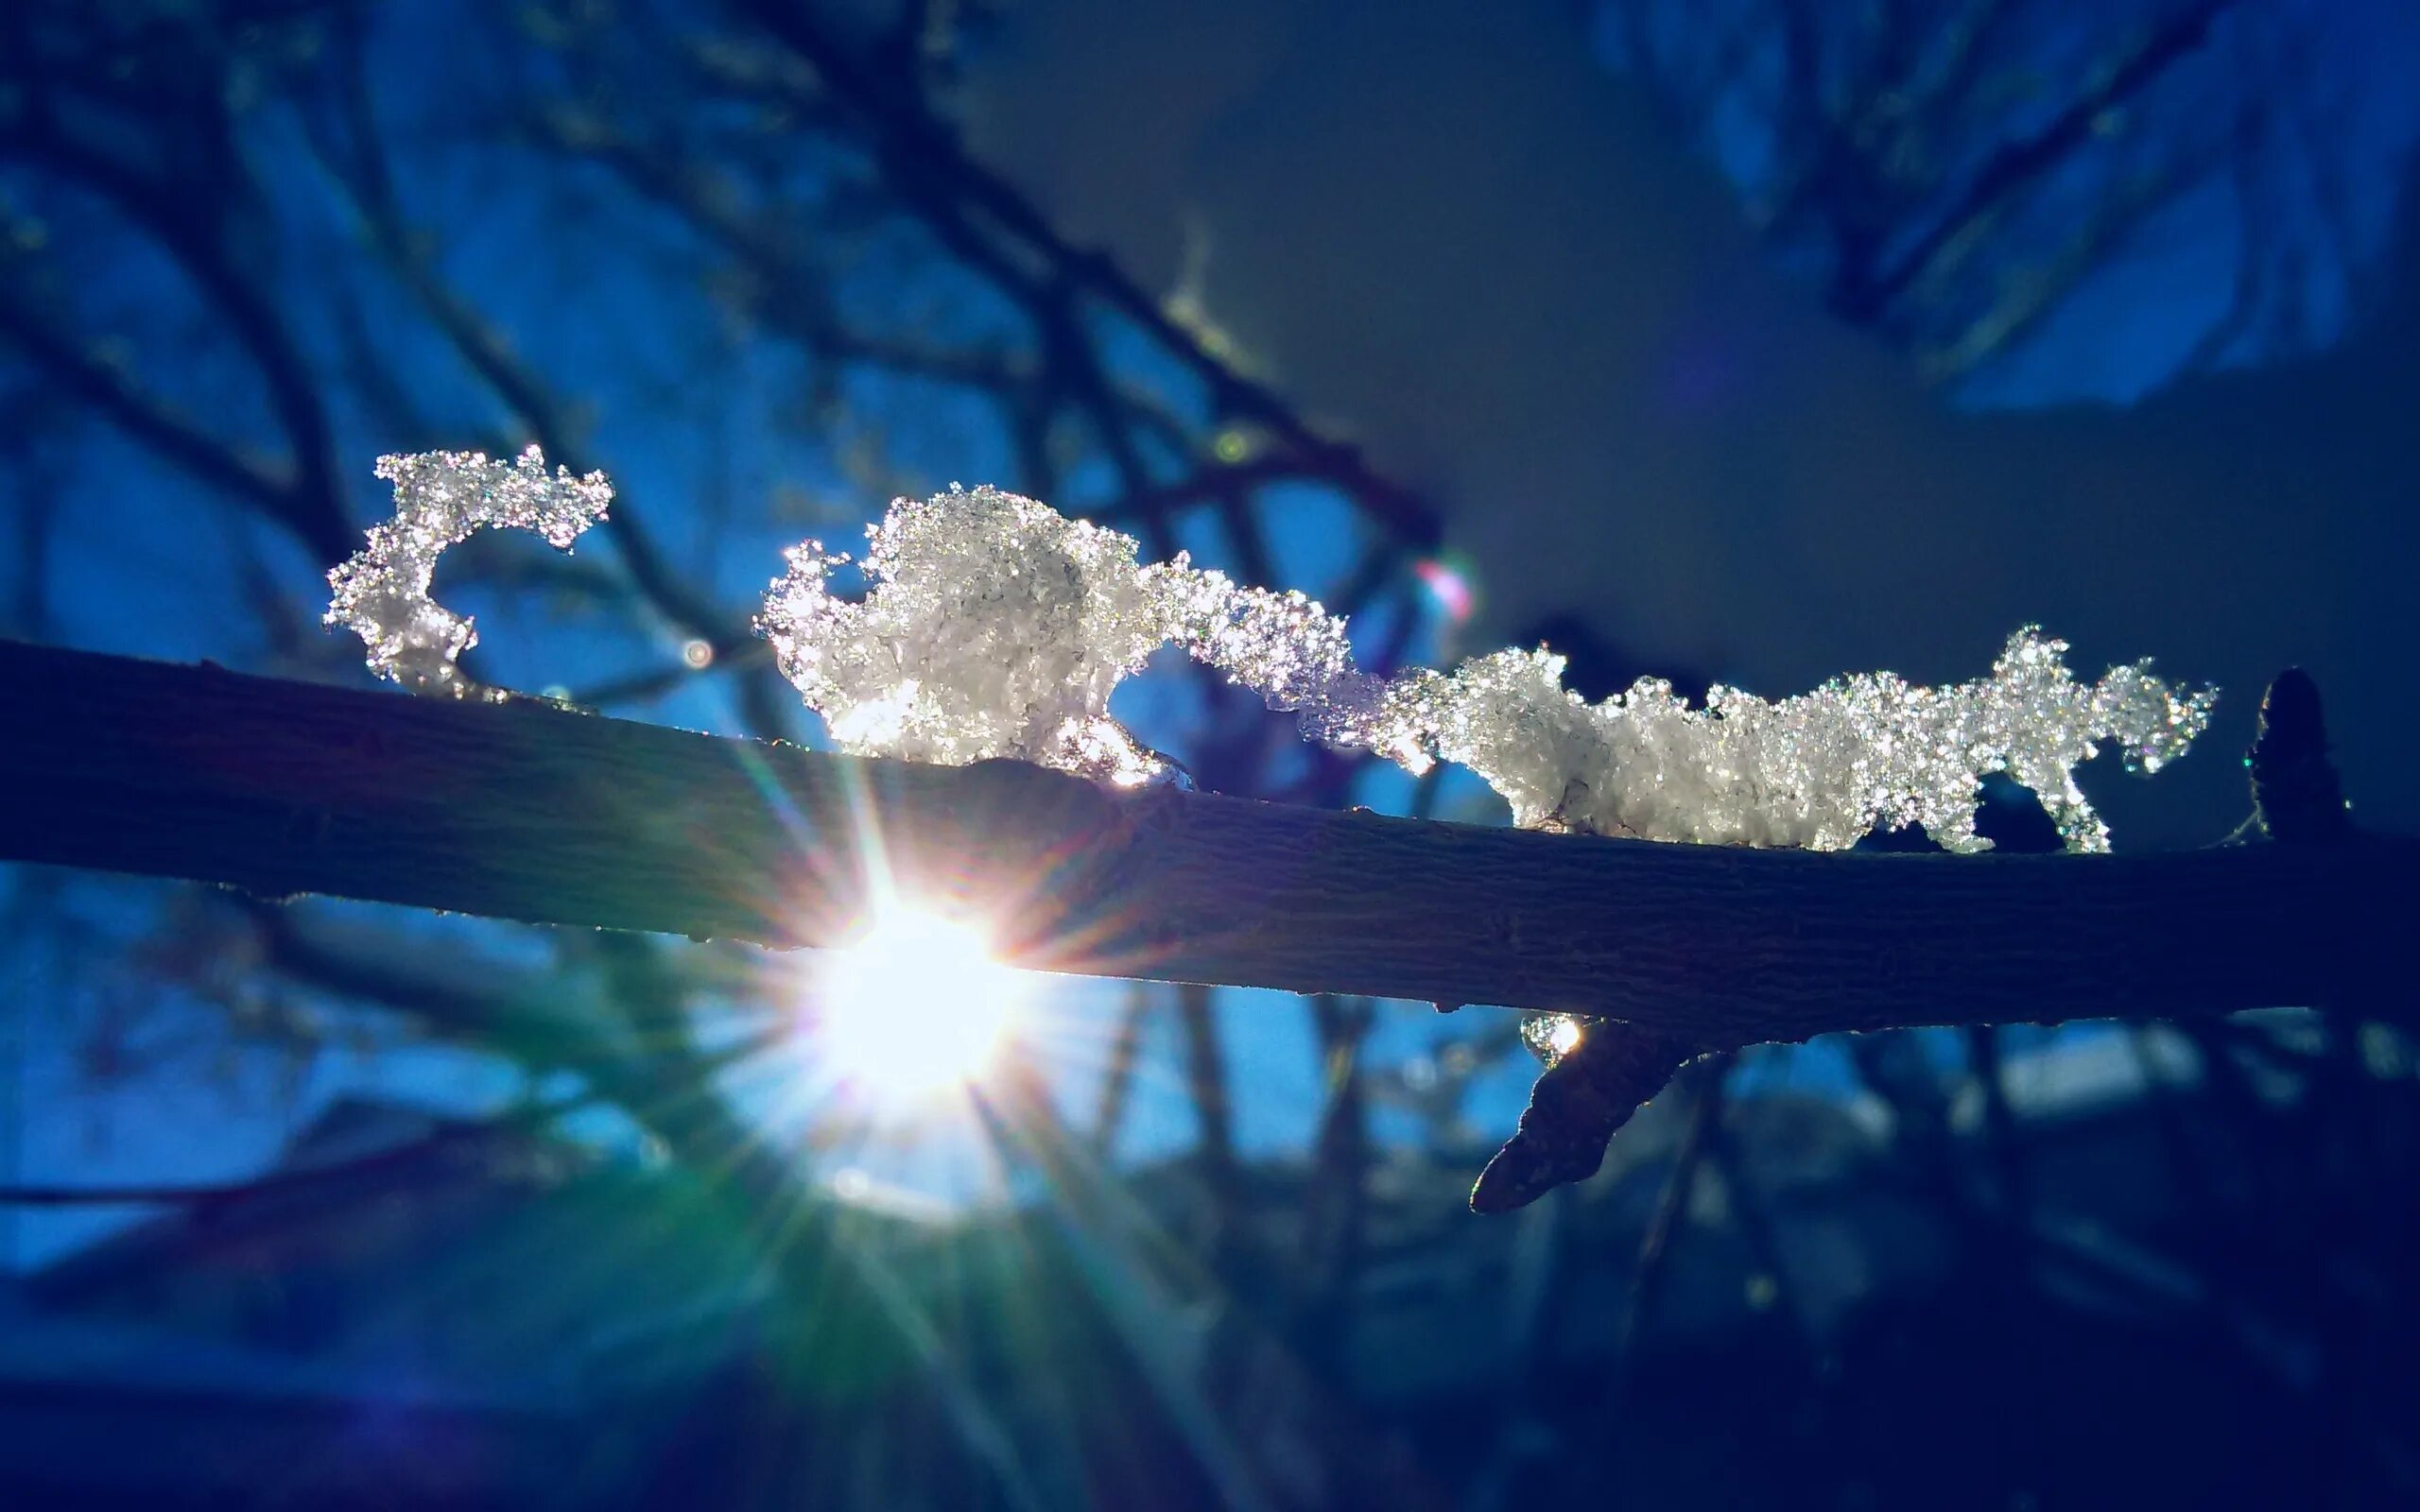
(996, 626)
(381, 593)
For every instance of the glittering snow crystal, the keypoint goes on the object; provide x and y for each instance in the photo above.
(1815, 772)
(993, 626)
(381, 593)
(996, 626)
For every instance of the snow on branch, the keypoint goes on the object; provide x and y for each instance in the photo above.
(528, 811)
(382, 592)
(524, 810)
(996, 626)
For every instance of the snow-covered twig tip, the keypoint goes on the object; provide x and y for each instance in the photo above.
(381, 592)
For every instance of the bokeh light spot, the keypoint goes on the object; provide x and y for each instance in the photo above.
(1452, 583)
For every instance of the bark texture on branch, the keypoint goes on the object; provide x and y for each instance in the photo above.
(530, 812)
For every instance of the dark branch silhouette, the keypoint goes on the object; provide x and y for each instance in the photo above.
(536, 813)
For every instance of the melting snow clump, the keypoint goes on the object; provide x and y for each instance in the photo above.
(441, 497)
(993, 626)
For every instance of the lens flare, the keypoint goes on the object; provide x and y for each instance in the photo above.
(1452, 583)
(915, 1008)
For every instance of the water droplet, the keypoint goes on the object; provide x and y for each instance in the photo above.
(1551, 1036)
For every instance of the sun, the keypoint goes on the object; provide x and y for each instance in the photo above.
(915, 1008)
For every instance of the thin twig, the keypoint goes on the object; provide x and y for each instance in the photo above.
(2025, 162)
(1117, 1076)
(1655, 1241)
(928, 168)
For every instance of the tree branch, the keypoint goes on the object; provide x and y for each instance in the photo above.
(403, 1161)
(2025, 162)
(395, 1162)
(530, 812)
(140, 416)
(187, 224)
(934, 174)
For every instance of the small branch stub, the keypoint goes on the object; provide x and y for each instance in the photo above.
(2294, 787)
(1575, 1109)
